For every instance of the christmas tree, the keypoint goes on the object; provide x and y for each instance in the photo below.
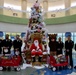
(36, 29)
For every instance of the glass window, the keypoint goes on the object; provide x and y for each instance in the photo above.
(63, 40)
(12, 6)
(75, 39)
(73, 4)
(63, 37)
(74, 35)
(3, 35)
(59, 35)
(54, 8)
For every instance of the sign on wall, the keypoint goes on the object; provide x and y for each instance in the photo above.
(22, 34)
(1, 34)
(68, 34)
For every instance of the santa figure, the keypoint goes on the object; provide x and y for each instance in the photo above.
(36, 50)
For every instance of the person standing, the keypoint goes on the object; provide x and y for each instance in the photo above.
(17, 43)
(0, 46)
(7, 44)
(60, 46)
(68, 46)
(53, 44)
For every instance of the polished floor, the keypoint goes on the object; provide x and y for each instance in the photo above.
(44, 71)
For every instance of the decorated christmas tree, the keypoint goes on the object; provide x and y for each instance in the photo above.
(36, 34)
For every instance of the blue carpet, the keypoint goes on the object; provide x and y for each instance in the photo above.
(62, 72)
(47, 71)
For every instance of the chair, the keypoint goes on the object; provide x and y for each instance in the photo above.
(28, 52)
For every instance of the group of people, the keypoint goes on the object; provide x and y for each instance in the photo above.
(6, 45)
(57, 46)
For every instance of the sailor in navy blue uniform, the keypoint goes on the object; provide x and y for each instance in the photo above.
(0, 46)
(7, 44)
(60, 46)
(69, 46)
(17, 44)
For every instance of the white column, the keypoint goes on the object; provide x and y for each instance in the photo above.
(67, 5)
(1, 4)
(24, 7)
(45, 7)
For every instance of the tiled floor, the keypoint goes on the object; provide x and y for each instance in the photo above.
(62, 72)
(33, 71)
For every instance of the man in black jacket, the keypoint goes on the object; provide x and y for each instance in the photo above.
(17, 43)
(68, 46)
(60, 46)
(7, 44)
(0, 46)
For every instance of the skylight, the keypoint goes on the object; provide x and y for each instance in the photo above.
(73, 4)
(12, 6)
(56, 8)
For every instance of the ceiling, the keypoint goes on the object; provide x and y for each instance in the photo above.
(34, 0)
(43, 0)
(15, 2)
(50, 2)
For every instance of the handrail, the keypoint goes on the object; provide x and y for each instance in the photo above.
(51, 21)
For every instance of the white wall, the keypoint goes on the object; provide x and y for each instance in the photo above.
(62, 28)
(7, 27)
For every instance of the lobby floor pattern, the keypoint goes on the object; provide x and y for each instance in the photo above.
(44, 71)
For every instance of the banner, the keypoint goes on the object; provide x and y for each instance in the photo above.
(22, 34)
(68, 34)
(12, 37)
(1, 34)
